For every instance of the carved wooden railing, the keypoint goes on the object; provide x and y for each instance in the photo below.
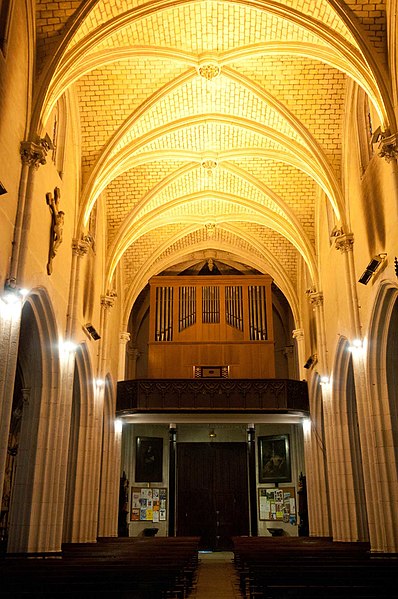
(224, 395)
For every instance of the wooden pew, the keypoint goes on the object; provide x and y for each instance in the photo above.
(133, 568)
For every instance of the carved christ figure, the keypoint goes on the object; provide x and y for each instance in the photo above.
(57, 225)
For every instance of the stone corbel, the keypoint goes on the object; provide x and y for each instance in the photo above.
(388, 147)
(315, 298)
(108, 300)
(33, 154)
(80, 247)
(344, 242)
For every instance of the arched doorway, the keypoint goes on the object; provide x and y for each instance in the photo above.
(36, 406)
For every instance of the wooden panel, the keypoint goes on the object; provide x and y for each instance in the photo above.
(177, 360)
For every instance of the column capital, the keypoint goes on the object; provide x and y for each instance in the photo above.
(344, 242)
(315, 298)
(124, 337)
(388, 147)
(134, 352)
(298, 334)
(33, 154)
(108, 300)
(80, 247)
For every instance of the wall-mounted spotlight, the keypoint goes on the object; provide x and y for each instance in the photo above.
(92, 331)
(310, 362)
(371, 268)
(325, 380)
(377, 136)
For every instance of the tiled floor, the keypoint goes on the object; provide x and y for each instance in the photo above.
(216, 577)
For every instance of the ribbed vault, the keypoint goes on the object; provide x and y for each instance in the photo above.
(211, 128)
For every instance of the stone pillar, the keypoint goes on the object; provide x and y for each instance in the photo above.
(133, 354)
(251, 458)
(109, 489)
(79, 250)
(124, 338)
(172, 478)
(366, 422)
(10, 321)
(316, 301)
(32, 156)
(298, 335)
(105, 451)
(315, 461)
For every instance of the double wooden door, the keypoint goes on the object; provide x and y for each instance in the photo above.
(212, 492)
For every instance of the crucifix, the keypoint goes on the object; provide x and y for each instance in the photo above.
(57, 224)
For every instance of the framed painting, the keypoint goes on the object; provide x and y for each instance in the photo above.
(149, 460)
(274, 459)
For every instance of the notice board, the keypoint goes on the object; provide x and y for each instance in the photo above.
(149, 505)
(278, 504)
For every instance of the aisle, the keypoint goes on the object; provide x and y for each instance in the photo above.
(216, 577)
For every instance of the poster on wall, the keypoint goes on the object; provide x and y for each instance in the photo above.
(278, 504)
(149, 505)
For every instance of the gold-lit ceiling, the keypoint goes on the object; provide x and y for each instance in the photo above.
(210, 128)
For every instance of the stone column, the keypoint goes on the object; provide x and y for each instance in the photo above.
(133, 354)
(124, 338)
(315, 460)
(298, 335)
(251, 458)
(32, 156)
(345, 243)
(10, 321)
(80, 249)
(172, 478)
(106, 443)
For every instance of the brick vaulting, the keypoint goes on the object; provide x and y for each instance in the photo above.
(198, 113)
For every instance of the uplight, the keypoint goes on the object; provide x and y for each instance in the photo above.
(356, 344)
(306, 426)
(10, 298)
(68, 346)
(118, 425)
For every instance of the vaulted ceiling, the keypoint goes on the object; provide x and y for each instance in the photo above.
(210, 128)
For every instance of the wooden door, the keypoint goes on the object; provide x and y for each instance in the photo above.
(212, 492)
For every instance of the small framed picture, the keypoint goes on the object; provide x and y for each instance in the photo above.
(149, 460)
(274, 459)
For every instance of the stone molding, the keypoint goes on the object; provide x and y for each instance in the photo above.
(80, 247)
(33, 154)
(388, 147)
(316, 298)
(344, 242)
(108, 300)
